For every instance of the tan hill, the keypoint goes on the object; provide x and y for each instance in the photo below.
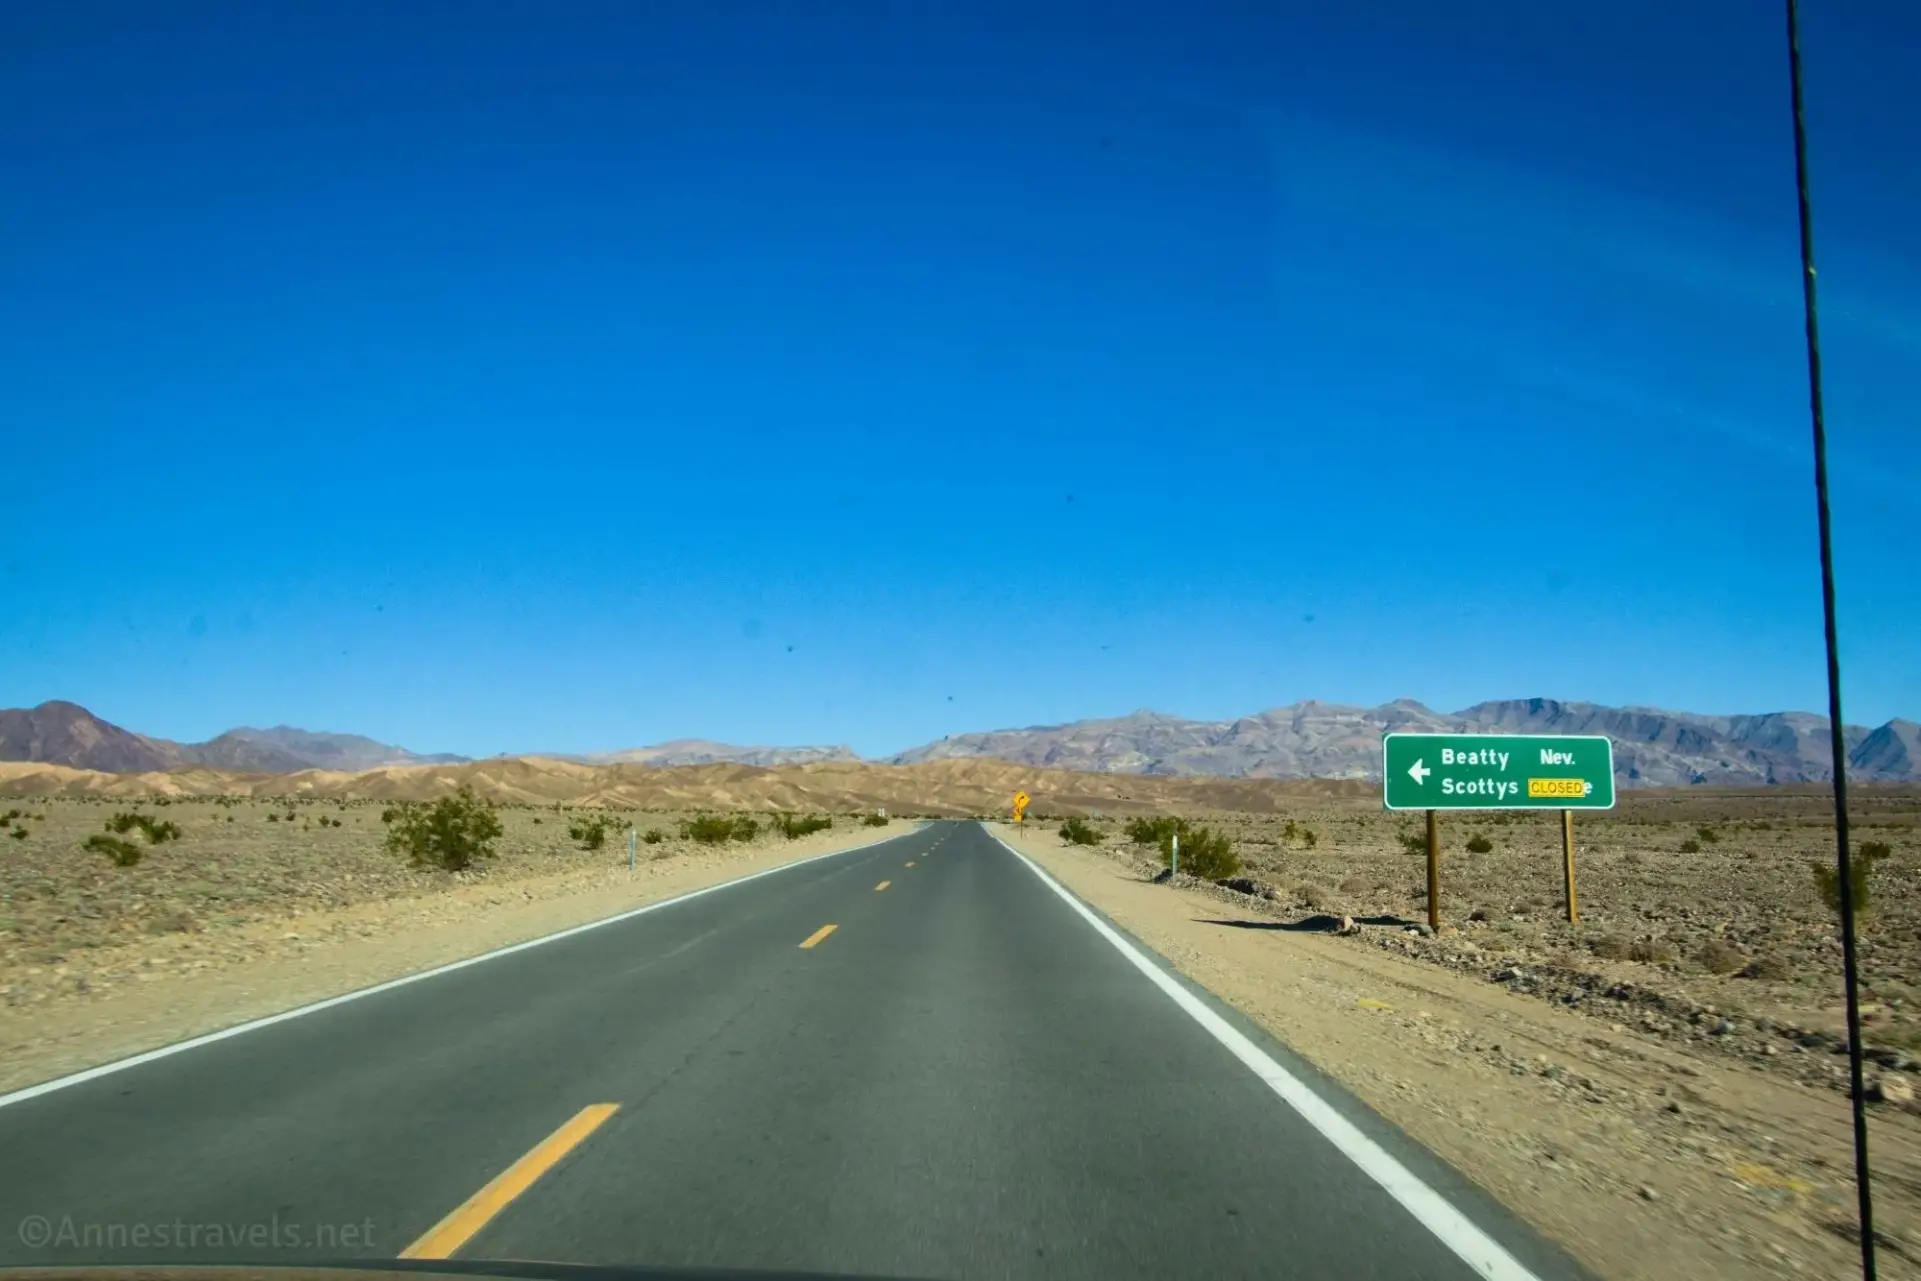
(1328, 740)
(940, 788)
(62, 733)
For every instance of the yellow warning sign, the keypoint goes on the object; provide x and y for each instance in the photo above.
(1021, 802)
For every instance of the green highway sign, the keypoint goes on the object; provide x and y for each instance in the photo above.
(1497, 772)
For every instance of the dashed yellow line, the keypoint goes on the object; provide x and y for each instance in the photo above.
(883, 885)
(818, 935)
(474, 1214)
(910, 862)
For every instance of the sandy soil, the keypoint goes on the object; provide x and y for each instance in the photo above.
(1646, 1155)
(239, 920)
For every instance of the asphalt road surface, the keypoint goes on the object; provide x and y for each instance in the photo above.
(965, 1077)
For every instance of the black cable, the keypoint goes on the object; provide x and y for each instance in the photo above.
(1837, 741)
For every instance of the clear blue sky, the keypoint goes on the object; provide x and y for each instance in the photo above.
(492, 377)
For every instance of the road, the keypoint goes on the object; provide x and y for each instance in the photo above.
(964, 1077)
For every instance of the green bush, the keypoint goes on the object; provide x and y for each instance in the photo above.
(653, 836)
(1827, 877)
(1308, 839)
(156, 832)
(1476, 844)
(1707, 834)
(1414, 843)
(590, 832)
(451, 834)
(875, 820)
(1690, 846)
(1154, 831)
(123, 853)
(1204, 853)
(1076, 832)
(793, 826)
(18, 833)
(718, 829)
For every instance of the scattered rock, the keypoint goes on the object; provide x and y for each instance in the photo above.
(1891, 1088)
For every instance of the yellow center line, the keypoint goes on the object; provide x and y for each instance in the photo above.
(474, 1214)
(910, 862)
(883, 885)
(818, 935)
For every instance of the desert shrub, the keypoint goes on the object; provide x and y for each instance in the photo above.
(1690, 846)
(1076, 832)
(746, 829)
(793, 826)
(1204, 852)
(1308, 839)
(1354, 885)
(123, 853)
(1827, 877)
(1311, 897)
(1653, 952)
(1707, 834)
(18, 833)
(451, 834)
(1414, 842)
(590, 832)
(653, 836)
(1609, 948)
(157, 832)
(536, 820)
(1479, 844)
(10, 815)
(1153, 831)
(874, 820)
(1768, 969)
(1720, 957)
(273, 818)
(711, 828)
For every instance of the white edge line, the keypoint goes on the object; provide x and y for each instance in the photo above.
(193, 1043)
(1455, 1230)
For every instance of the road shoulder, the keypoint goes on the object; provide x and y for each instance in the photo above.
(273, 966)
(1639, 1160)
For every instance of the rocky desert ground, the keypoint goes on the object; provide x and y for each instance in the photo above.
(1659, 1086)
(257, 907)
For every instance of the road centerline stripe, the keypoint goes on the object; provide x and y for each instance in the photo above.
(1452, 1228)
(818, 935)
(478, 1210)
(883, 885)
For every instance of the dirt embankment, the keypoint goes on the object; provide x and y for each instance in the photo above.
(241, 917)
(1651, 1139)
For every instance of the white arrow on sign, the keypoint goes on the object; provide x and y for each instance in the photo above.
(1419, 772)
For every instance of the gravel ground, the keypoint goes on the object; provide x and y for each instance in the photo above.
(239, 919)
(1656, 1117)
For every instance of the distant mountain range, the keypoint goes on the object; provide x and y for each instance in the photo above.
(1306, 740)
(700, 751)
(1652, 748)
(62, 733)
